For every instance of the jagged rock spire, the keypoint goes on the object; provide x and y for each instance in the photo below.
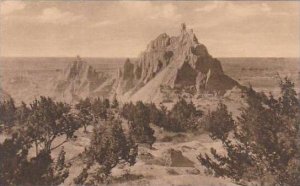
(78, 80)
(78, 58)
(183, 27)
(173, 62)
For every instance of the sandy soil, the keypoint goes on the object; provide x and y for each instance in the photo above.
(152, 167)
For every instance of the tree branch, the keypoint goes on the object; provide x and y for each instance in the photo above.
(59, 144)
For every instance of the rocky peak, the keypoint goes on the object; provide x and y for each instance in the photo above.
(169, 65)
(183, 28)
(78, 79)
(128, 72)
(79, 69)
(178, 62)
(160, 43)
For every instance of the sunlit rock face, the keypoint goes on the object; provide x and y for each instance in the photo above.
(78, 80)
(169, 66)
(175, 62)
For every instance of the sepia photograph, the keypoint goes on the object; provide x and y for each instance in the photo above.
(149, 93)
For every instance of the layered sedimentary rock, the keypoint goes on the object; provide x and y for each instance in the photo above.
(173, 63)
(79, 80)
(170, 66)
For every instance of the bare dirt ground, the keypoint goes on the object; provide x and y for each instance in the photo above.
(155, 166)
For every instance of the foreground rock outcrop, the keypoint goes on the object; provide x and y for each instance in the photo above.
(171, 64)
(174, 158)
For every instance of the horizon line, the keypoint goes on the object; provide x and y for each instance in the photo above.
(124, 57)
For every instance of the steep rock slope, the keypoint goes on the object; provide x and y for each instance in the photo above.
(80, 80)
(169, 67)
(169, 64)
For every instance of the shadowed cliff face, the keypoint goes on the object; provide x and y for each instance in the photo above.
(178, 62)
(168, 65)
(151, 62)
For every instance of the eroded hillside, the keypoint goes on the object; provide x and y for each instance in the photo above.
(170, 66)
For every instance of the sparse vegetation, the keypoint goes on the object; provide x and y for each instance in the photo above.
(139, 120)
(85, 107)
(264, 146)
(183, 117)
(17, 168)
(45, 120)
(101, 141)
(91, 111)
(100, 109)
(7, 112)
(220, 123)
(115, 103)
(109, 147)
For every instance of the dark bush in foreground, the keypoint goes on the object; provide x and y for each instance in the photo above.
(181, 118)
(7, 112)
(139, 122)
(43, 122)
(47, 121)
(264, 146)
(85, 112)
(109, 147)
(219, 122)
(16, 168)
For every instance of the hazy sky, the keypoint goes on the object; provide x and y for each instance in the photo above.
(123, 29)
